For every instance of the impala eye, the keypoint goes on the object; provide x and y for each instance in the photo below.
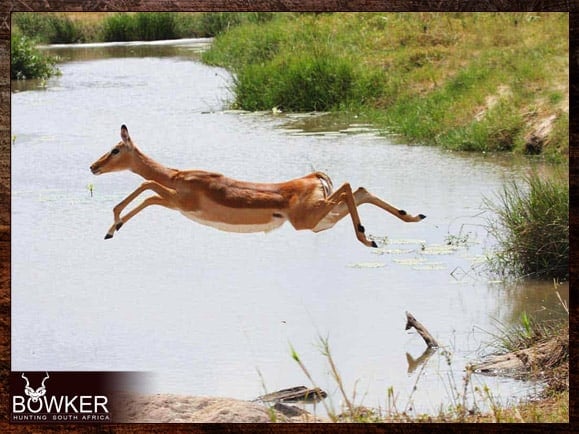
(115, 151)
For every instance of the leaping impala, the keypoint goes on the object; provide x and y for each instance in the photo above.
(237, 206)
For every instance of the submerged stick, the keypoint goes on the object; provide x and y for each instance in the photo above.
(422, 331)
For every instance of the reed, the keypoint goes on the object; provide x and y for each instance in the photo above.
(72, 27)
(553, 405)
(48, 28)
(531, 227)
(143, 26)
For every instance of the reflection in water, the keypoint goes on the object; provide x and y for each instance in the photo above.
(184, 48)
(203, 309)
(539, 299)
(415, 363)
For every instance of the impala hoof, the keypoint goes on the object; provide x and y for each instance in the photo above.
(107, 236)
(119, 225)
(374, 244)
(421, 216)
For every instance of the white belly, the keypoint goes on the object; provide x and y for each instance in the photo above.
(274, 223)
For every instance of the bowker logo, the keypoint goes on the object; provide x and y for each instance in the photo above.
(37, 405)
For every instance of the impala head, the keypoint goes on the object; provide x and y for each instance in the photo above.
(118, 158)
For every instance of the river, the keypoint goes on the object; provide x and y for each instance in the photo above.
(216, 313)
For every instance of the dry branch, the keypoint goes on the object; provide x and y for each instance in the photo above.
(422, 331)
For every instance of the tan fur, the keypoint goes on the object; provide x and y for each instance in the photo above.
(227, 204)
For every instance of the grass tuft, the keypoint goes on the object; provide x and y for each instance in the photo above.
(532, 228)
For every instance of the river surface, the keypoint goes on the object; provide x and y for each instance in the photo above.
(215, 313)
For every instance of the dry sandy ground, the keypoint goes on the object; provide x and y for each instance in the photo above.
(166, 408)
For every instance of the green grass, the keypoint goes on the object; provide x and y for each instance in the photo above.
(291, 65)
(532, 228)
(141, 26)
(305, 82)
(463, 81)
(472, 82)
(71, 27)
(49, 28)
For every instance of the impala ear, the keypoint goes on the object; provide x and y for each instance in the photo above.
(125, 134)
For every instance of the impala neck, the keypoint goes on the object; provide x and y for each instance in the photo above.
(151, 170)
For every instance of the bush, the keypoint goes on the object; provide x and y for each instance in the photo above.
(532, 228)
(27, 61)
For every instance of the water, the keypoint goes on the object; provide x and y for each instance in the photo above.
(216, 313)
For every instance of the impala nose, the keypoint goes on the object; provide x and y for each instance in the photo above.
(94, 169)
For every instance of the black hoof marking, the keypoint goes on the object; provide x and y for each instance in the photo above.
(401, 212)
(374, 244)
(422, 216)
(361, 228)
(119, 225)
(107, 236)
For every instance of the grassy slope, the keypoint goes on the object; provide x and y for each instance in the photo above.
(481, 82)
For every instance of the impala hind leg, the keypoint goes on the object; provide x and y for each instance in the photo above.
(360, 196)
(165, 197)
(339, 204)
(364, 196)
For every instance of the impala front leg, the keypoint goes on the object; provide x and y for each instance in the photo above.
(166, 197)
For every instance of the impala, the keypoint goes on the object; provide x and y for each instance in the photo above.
(212, 199)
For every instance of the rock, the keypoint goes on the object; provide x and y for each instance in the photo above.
(168, 408)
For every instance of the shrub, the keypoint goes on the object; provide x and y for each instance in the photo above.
(532, 228)
(27, 61)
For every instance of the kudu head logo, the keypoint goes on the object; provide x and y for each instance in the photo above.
(33, 394)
